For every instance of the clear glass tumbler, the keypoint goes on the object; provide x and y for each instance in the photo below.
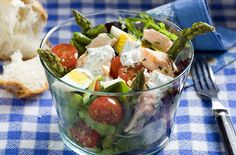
(141, 131)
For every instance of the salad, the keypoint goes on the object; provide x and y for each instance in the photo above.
(132, 54)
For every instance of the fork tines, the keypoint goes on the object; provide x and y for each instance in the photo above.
(203, 76)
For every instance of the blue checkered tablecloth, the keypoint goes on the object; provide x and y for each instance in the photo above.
(29, 126)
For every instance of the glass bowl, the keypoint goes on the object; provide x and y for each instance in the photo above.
(145, 134)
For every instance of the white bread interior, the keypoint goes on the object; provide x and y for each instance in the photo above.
(24, 78)
(21, 22)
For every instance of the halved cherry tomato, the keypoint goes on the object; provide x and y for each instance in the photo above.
(106, 110)
(129, 73)
(115, 66)
(84, 135)
(67, 53)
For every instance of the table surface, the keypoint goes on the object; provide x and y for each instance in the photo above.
(29, 126)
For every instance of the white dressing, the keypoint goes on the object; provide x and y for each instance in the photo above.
(131, 53)
(156, 79)
(98, 60)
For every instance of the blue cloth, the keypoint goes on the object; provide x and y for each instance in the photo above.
(29, 126)
(190, 11)
(187, 12)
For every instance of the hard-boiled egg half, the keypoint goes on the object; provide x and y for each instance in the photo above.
(122, 37)
(127, 47)
(79, 77)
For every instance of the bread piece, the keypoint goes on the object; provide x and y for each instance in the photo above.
(24, 78)
(21, 22)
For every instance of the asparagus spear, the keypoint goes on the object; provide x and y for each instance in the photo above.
(86, 25)
(95, 31)
(81, 20)
(188, 34)
(82, 39)
(53, 62)
(80, 48)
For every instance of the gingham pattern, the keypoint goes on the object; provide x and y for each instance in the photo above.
(29, 126)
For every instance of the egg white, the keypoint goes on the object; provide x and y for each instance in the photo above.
(83, 85)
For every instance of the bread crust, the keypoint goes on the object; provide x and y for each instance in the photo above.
(19, 90)
(7, 58)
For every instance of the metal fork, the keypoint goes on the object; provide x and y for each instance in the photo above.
(204, 82)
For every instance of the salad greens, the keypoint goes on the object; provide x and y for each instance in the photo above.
(99, 127)
(108, 141)
(122, 145)
(92, 86)
(119, 87)
(135, 25)
(71, 108)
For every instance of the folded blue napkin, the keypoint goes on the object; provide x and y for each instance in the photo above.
(185, 12)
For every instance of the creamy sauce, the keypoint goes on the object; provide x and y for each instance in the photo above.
(99, 59)
(131, 53)
(156, 79)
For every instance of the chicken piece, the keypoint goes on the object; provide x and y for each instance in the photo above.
(156, 60)
(157, 39)
(81, 60)
(102, 40)
(145, 107)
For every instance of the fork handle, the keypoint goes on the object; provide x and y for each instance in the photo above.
(226, 130)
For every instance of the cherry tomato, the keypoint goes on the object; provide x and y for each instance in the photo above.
(106, 110)
(67, 53)
(129, 73)
(115, 66)
(85, 136)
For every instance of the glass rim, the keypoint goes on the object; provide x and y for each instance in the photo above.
(116, 11)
